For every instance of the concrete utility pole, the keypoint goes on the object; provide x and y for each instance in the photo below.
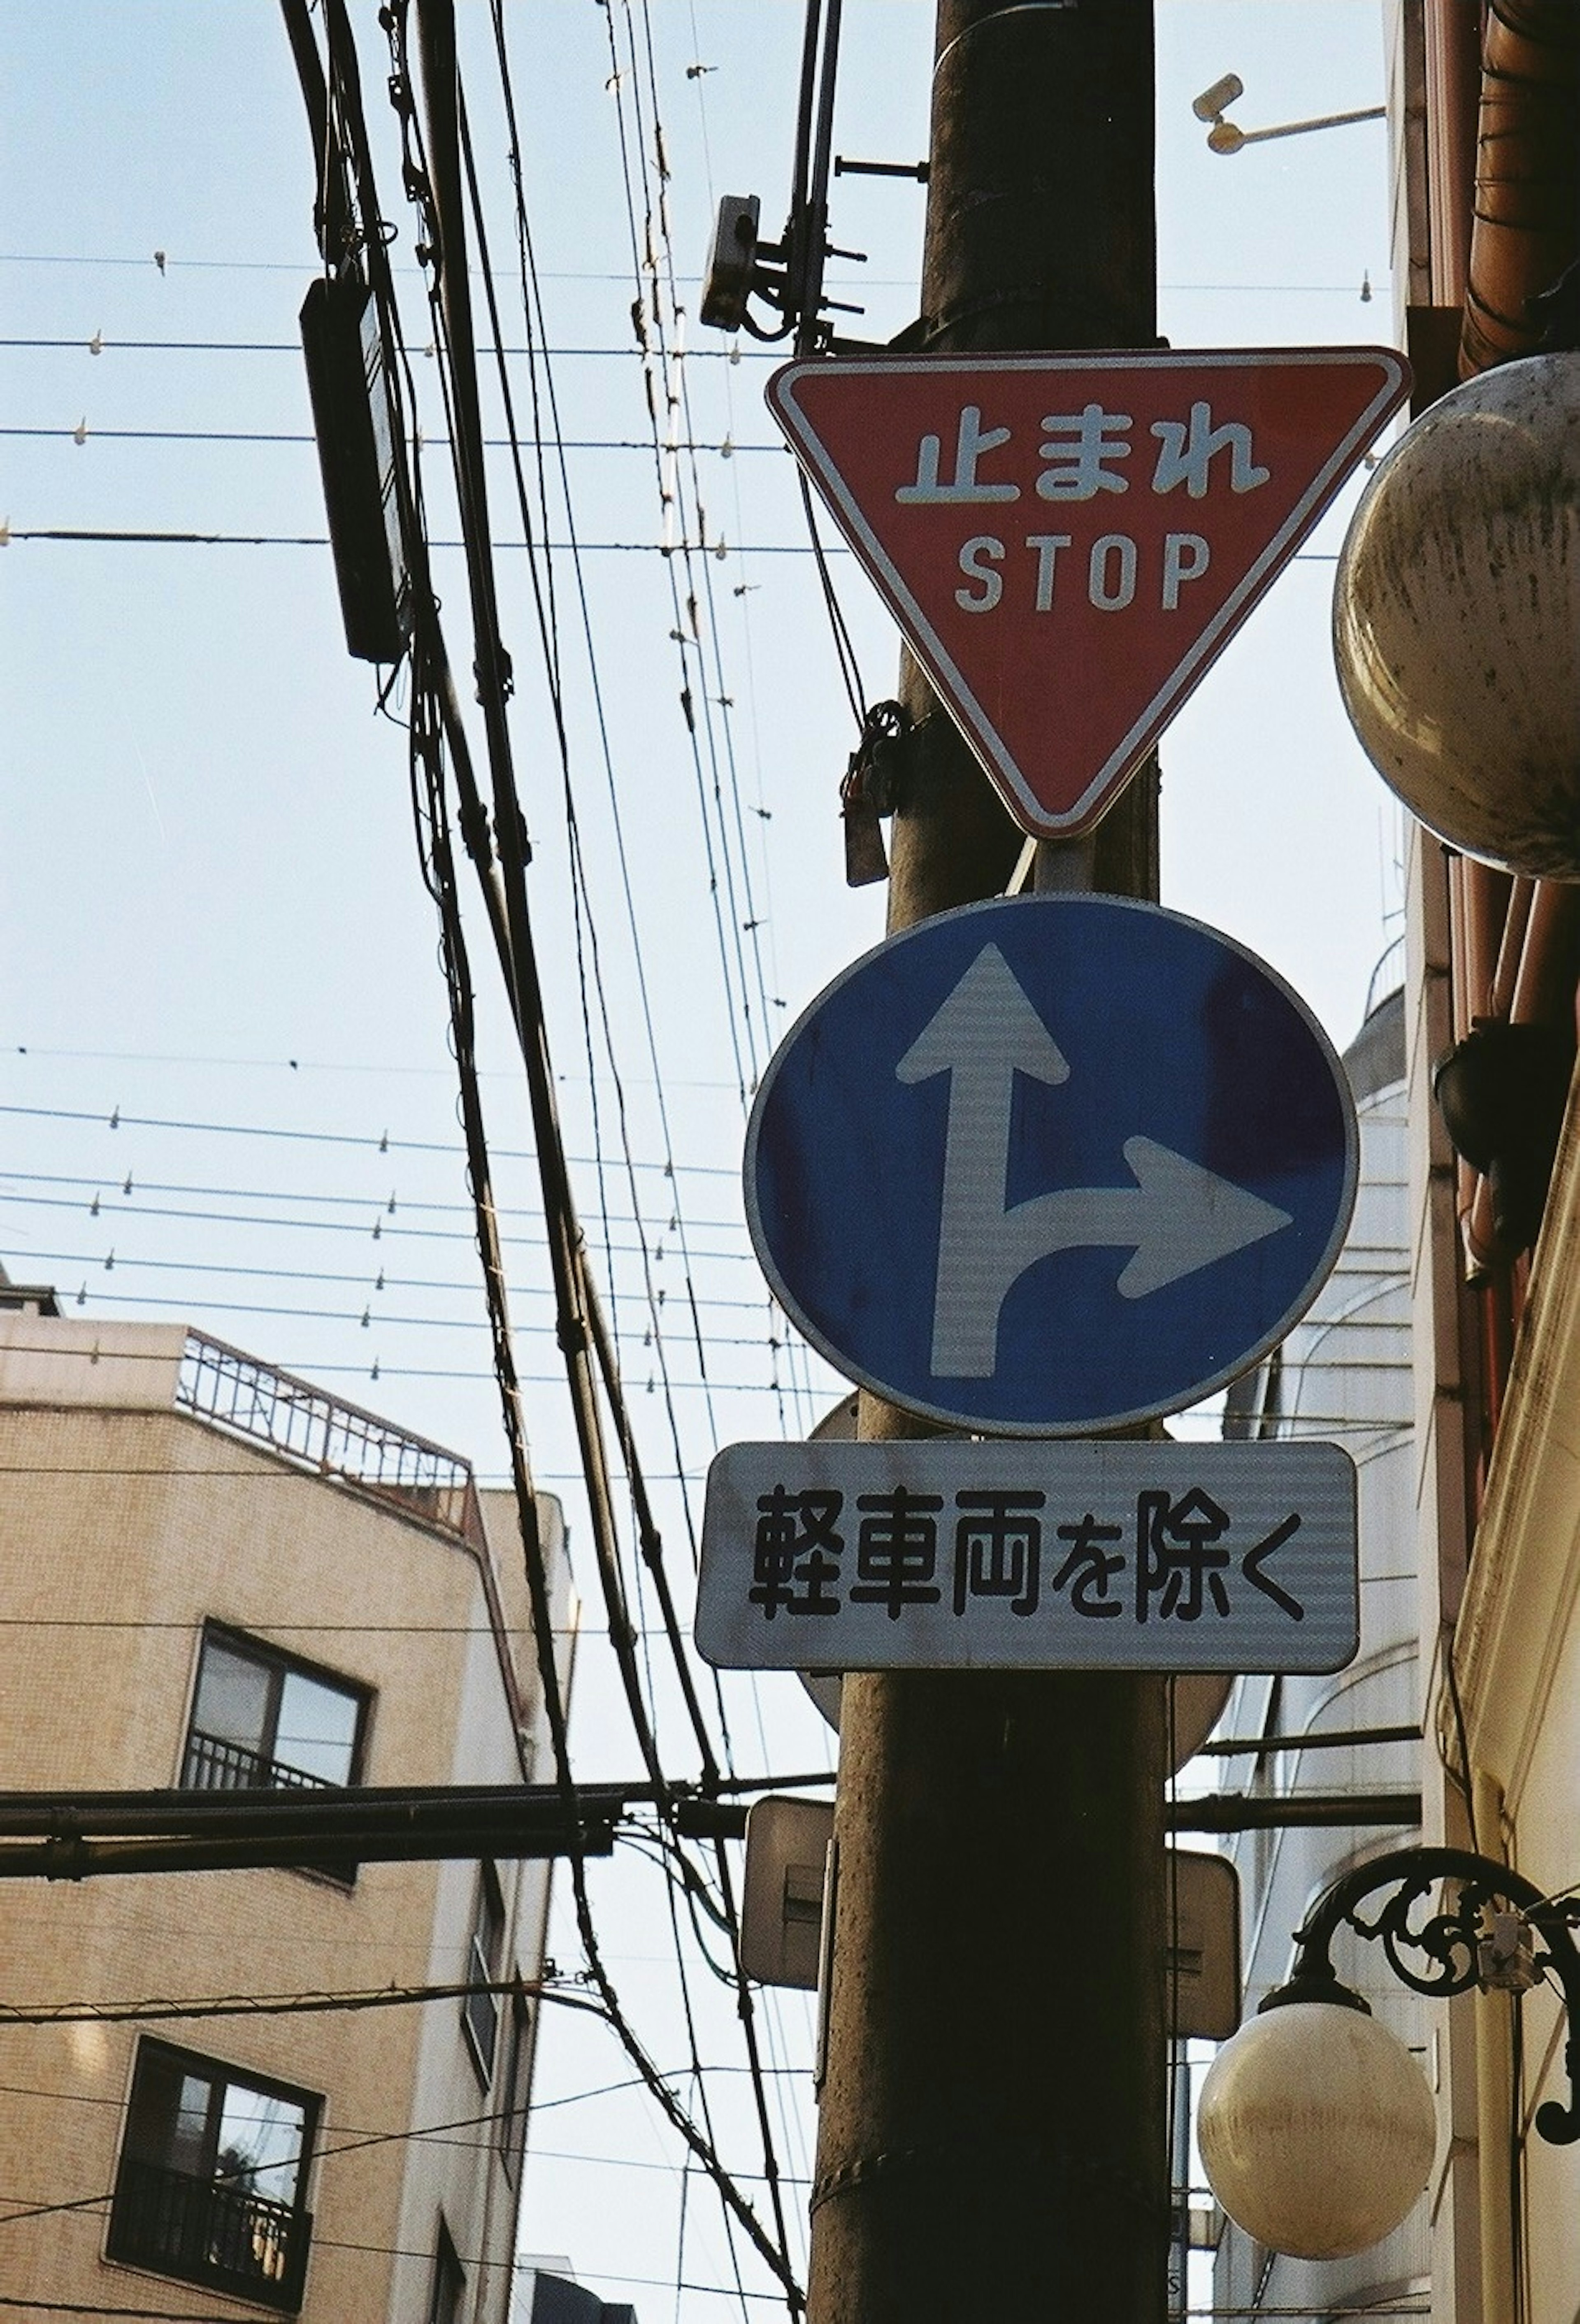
(993, 2139)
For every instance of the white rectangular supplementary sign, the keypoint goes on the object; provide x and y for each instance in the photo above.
(1029, 1554)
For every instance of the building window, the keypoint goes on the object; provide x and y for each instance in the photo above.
(213, 2178)
(450, 2282)
(511, 2126)
(480, 2009)
(262, 1721)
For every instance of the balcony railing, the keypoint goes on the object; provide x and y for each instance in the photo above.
(212, 1765)
(210, 2234)
(220, 1383)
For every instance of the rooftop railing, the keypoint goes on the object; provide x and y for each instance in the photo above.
(323, 1433)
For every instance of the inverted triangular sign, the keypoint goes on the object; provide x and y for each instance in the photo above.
(1067, 541)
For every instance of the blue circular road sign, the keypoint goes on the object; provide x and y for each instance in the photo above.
(1051, 1165)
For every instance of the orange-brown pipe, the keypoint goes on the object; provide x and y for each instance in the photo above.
(1453, 44)
(1524, 233)
(1540, 990)
(1517, 919)
(1526, 179)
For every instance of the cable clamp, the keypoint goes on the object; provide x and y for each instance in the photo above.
(870, 790)
(523, 843)
(473, 817)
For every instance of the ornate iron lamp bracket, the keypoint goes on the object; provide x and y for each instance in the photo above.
(1432, 1946)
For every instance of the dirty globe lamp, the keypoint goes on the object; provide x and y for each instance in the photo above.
(1456, 610)
(1316, 2126)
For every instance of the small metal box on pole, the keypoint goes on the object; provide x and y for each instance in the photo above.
(781, 1906)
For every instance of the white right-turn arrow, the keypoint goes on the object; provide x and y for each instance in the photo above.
(1177, 1218)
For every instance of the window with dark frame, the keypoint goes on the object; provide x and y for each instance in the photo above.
(480, 2008)
(511, 2124)
(449, 2281)
(262, 1721)
(212, 2182)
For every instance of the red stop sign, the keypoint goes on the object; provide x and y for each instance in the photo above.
(1069, 540)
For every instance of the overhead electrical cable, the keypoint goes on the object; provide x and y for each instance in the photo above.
(440, 68)
(78, 536)
(369, 1316)
(78, 1209)
(465, 409)
(652, 148)
(436, 27)
(668, 316)
(683, 614)
(383, 1282)
(116, 1119)
(797, 1366)
(436, 179)
(656, 222)
(680, 2120)
(69, 535)
(523, 243)
(67, 433)
(532, 306)
(293, 347)
(668, 308)
(648, 1535)
(435, 714)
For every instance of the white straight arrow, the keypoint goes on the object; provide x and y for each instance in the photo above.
(1176, 1218)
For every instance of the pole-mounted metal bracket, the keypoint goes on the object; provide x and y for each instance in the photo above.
(1445, 1951)
(871, 790)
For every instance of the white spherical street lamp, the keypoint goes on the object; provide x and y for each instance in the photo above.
(1317, 2129)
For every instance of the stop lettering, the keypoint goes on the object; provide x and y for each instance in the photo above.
(1111, 569)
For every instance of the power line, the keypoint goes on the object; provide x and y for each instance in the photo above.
(673, 379)
(281, 2004)
(724, 448)
(96, 2307)
(358, 1226)
(293, 347)
(370, 1315)
(78, 535)
(104, 535)
(434, 725)
(439, 2134)
(382, 1144)
(370, 1066)
(296, 1313)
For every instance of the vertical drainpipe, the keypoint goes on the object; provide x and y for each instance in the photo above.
(1528, 177)
(1494, 2097)
(1453, 61)
(1525, 230)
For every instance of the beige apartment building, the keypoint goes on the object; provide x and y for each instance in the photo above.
(214, 1576)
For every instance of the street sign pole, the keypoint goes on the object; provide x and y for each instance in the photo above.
(991, 2136)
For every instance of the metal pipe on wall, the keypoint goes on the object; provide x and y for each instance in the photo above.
(1524, 231)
